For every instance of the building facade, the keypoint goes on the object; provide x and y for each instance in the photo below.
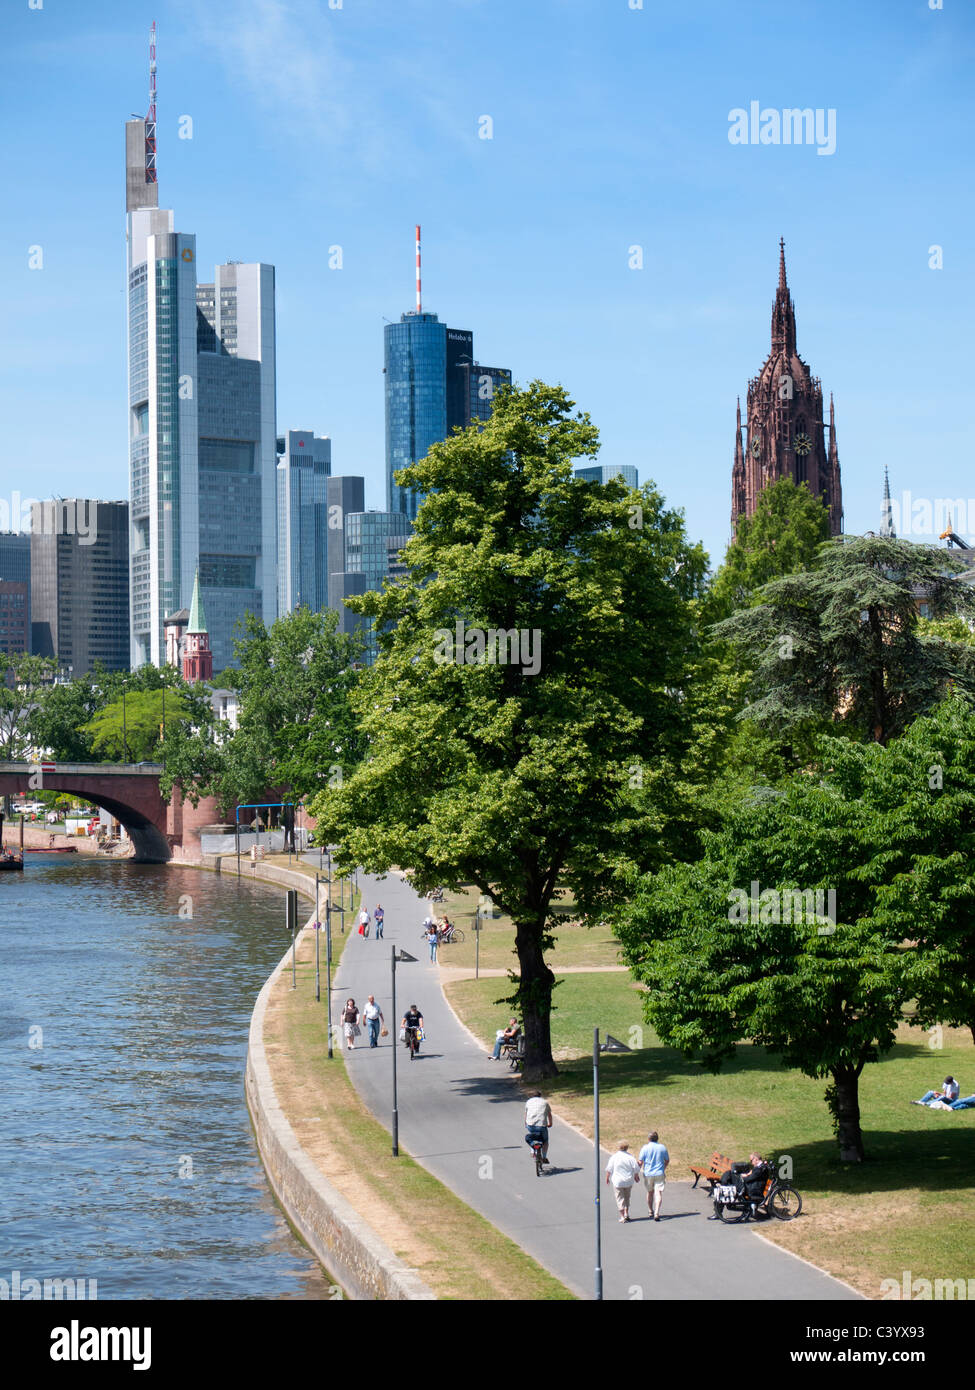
(15, 629)
(433, 385)
(373, 542)
(604, 472)
(79, 560)
(784, 433)
(304, 466)
(201, 427)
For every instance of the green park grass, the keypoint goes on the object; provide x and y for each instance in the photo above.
(456, 1252)
(575, 947)
(908, 1207)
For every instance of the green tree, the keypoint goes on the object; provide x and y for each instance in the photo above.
(920, 792)
(131, 730)
(782, 537)
(25, 683)
(56, 722)
(839, 644)
(296, 729)
(529, 693)
(738, 947)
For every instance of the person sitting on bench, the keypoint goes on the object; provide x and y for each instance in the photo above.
(503, 1036)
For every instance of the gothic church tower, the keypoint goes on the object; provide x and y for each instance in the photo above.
(785, 436)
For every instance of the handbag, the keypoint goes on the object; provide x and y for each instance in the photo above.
(384, 1032)
(402, 1035)
(725, 1193)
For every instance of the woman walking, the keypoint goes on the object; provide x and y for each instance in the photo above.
(350, 1024)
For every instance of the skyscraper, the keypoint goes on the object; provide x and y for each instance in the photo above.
(433, 385)
(786, 435)
(15, 632)
(201, 422)
(79, 553)
(603, 472)
(304, 466)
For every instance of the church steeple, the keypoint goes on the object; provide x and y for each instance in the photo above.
(783, 312)
(887, 511)
(197, 656)
(785, 428)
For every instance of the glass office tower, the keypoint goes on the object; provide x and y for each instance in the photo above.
(602, 472)
(433, 385)
(303, 471)
(201, 428)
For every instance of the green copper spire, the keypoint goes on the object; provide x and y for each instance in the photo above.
(198, 621)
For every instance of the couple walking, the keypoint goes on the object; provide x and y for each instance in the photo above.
(371, 1016)
(378, 917)
(650, 1167)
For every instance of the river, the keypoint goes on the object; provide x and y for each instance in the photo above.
(127, 1155)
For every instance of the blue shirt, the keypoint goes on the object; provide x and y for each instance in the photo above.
(653, 1157)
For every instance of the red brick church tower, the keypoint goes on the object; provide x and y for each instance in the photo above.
(785, 436)
(197, 656)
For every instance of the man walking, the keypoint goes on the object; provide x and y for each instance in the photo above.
(653, 1160)
(373, 1015)
(378, 917)
(622, 1171)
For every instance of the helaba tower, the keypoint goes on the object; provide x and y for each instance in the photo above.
(201, 421)
(433, 385)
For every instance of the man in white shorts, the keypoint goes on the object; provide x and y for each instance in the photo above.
(653, 1160)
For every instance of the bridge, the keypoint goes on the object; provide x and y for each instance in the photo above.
(128, 791)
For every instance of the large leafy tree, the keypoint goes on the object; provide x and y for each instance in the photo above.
(781, 537)
(25, 683)
(724, 961)
(133, 728)
(839, 644)
(296, 730)
(549, 768)
(920, 791)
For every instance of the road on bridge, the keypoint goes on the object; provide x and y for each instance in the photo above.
(460, 1116)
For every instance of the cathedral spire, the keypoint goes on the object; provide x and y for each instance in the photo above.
(887, 511)
(783, 312)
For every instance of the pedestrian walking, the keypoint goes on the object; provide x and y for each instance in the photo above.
(433, 939)
(350, 1024)
(623, 1171)
(379, 917)
(653, 1159)
(364, 922)
(373, 1016)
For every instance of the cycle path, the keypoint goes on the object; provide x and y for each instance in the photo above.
(461, 1117)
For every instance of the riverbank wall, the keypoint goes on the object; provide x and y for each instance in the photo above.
(350, 1251)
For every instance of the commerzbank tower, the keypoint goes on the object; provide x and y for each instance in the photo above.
(201, 421)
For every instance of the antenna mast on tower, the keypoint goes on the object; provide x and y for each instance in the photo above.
(151, 116)
(418, 310)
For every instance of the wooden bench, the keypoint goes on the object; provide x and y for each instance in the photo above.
(515, 1052)
(717, 1164)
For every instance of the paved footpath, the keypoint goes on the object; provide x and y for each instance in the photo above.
(460, 1116)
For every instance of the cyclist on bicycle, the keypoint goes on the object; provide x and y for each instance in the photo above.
(412, 1025)
(538, 1121)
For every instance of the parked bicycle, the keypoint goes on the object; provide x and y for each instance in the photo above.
(733, 1205)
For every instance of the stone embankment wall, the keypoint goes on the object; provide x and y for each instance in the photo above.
(352, 1253)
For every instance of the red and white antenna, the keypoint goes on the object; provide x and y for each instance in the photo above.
(151, 116)
(418, 310)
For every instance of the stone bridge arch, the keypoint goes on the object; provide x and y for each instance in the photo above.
(128, 792)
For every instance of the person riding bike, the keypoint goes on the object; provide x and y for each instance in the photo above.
(538, 1121)
(412, 1025)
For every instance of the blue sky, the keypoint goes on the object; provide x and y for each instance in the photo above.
(315, 127)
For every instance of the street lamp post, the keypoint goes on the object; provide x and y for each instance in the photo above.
(404, 957)
(610, 1045)
(328, 964)
(318, 928)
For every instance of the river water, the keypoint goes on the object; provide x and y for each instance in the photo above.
(126, 1153)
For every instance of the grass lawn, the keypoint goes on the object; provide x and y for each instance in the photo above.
(455, 1251)
(576, 947)
(909, 1207)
